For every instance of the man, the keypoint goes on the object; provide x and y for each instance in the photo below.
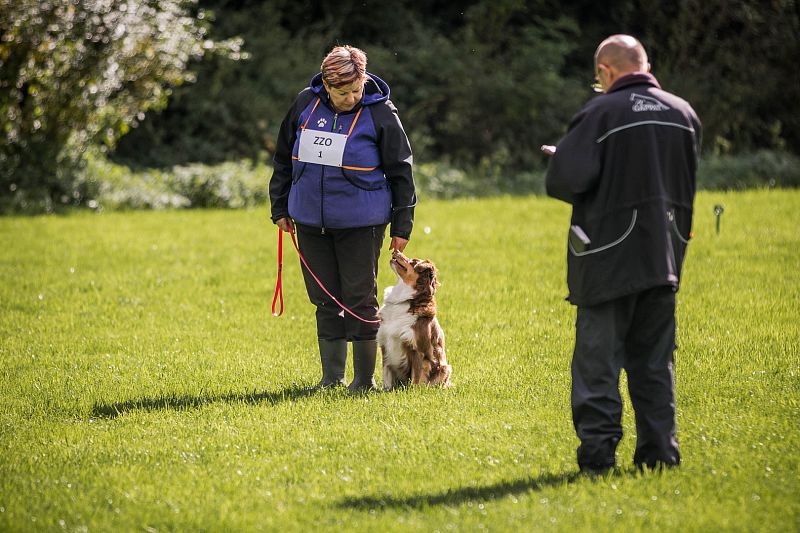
(627, 165)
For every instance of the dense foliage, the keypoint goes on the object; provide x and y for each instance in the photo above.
(736, 63)
(480, 84)
(232, 184)
(78, 73)
(243, 183)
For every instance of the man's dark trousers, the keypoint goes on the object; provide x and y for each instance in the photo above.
(346, 261)
(637, 333)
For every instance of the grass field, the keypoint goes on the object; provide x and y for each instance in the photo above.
(146, 387)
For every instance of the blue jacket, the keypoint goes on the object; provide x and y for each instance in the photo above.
(373, 186)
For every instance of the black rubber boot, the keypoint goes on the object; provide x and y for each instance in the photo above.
(333, 354)
(364, 355)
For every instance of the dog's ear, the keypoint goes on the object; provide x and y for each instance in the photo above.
(434, 283)
(429, 275)
(434, 278)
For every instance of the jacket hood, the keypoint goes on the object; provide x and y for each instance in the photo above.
(375, 89)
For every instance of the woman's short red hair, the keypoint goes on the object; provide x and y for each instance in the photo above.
(344, 65)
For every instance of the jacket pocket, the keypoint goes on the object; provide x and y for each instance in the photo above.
(673, 223)
(609, 245)
(367, 180)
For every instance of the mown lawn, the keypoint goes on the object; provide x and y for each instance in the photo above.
(146, 387)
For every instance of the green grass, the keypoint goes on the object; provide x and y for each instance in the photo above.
(145, 385)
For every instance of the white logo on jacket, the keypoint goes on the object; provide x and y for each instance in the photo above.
(321, 123)
(647, 103)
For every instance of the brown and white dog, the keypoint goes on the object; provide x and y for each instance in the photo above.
(410, 337)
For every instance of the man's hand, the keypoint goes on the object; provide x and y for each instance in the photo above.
(398, 243)
(548, 149)
(286, 224)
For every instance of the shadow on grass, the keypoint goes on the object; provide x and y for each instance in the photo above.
(177, 403)
(460, 495)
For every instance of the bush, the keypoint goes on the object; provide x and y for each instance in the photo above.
(227, 185)
(105, 185)
(80, 74)
(757, 169)
(764, 168)
(443, 180)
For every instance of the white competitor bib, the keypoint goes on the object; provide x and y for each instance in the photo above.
(321, 147)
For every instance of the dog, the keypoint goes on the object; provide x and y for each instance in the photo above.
(410, 337)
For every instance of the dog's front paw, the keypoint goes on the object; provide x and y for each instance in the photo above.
(442, 376)
(448, 371)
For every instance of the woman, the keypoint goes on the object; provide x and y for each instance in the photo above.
(342, 172)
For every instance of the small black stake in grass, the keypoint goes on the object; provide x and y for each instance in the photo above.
(718, 210)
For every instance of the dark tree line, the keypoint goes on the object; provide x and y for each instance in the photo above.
(480, 84)
(484, 82)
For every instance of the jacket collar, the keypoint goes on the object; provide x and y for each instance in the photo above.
(375, 90)
(636, 78)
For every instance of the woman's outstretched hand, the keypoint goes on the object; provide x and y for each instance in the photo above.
(398, 243)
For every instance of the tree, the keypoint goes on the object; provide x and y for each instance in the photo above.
(474, 81)
(234, 109)
(734, 61)
(481, 84)
(494, 88)
(77, 73)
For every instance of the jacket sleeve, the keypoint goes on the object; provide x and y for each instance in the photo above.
(397, 162)
(281, 180)
(577, 163)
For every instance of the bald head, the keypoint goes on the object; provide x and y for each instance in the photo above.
(623, 53)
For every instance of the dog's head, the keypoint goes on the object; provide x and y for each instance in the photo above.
(419, 274)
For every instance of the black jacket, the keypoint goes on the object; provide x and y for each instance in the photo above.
(392, 144)
(627, 165)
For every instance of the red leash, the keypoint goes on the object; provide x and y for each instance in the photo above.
(279, 284)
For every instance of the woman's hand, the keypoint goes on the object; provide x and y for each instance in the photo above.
(398, 243)
(286, 224)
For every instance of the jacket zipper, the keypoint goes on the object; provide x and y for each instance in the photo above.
(322, 183)
(322, 200)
